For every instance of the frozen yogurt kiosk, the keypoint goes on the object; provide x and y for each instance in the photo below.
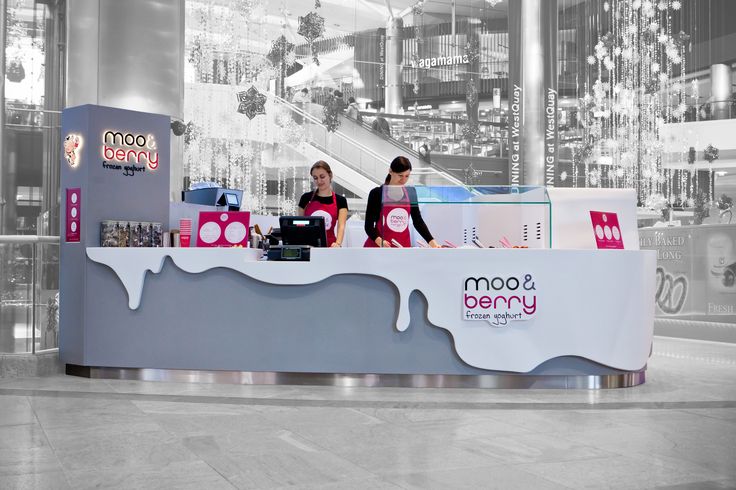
(564, 299)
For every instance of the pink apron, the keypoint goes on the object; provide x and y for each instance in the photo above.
(394, 221)
(328, 212)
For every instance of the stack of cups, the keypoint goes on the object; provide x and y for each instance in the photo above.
(185, 230)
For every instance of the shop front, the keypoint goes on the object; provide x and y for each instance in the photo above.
(527, 291)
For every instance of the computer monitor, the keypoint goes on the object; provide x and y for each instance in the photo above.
(303, 230)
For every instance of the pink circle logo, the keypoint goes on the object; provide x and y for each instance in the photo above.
(326, 216)
(397, 220)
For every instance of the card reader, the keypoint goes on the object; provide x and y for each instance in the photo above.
(289, 252)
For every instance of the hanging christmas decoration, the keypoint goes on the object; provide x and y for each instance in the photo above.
(418, 11)
(471, 93)
(700, 208)
(195, 51)
(472, 50)
(15, 72)
(246, 8)
(291, 132)
(470, 132)
(280, 52)
(682, 38)
(311, 27)
(331, 110)
(629, 96)
(290, 59)
(691, 155)
(415, 64)
(418, 7)
(710, 153)
(724, 202)
(251, 102)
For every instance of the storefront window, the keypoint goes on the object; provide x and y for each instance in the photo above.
(30, 108)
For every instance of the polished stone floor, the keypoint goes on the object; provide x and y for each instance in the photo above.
(677, 431)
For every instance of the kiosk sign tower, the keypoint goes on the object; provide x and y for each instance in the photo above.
(114, 165)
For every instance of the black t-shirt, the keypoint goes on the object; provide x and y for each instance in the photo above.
(373, 213)
(342, 203)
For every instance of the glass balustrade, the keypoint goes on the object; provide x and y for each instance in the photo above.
(29, 293)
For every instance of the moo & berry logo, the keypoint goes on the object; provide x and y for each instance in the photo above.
(121, 148)
(499, 299)
(72, 147)
(327, 217)
(397, 219)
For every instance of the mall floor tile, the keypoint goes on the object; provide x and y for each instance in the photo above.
(677, 431)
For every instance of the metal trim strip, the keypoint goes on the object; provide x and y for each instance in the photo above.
(486, 381)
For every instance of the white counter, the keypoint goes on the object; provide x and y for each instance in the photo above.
(593, 304)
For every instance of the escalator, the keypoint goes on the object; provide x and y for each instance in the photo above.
(359, 156)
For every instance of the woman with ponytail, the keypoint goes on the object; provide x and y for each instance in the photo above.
(389, 207)
(324, 202)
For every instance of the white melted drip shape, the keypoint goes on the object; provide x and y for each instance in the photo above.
(569, 320)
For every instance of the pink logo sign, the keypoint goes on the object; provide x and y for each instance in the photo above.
(73, 215)
(499, 300)
(72, 149)
(121, 148)
(223, 229)
(607, 230)
(397, 220)
(326, 216)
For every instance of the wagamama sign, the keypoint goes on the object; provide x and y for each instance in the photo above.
(441, 61)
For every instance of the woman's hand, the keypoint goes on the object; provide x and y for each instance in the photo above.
(336, 245)
(383, 243)
(433, 243)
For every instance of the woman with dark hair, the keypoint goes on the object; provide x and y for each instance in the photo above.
(324, 202)
(389, 207)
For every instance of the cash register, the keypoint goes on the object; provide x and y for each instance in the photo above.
(298, 235)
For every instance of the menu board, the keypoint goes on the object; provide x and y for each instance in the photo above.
(223, 229)
(73, 214)
(607, 230)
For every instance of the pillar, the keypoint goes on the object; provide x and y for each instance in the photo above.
(129, 55)
(394, 60)
(3, 20)
(720, 91)
(533, 91)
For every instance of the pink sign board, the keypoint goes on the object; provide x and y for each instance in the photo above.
(607, 230)
(73, 215)
(223, 229)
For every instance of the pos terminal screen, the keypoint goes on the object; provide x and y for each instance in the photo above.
(303, 230)
(232, 199)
